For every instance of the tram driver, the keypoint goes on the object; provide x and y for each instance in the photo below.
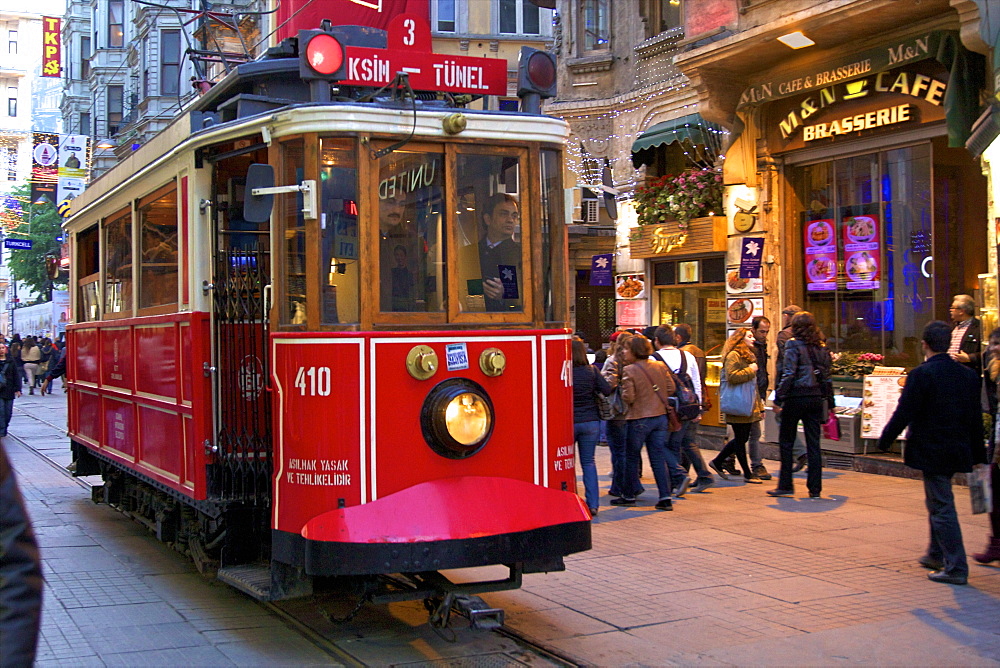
(500, 254)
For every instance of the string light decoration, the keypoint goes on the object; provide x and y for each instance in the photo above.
(657, 81)
(12, 215)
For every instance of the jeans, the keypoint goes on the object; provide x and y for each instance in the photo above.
(6, 411)
(585, 434)
(692, 453)
(737, 446)
(798, 447)
(810, 411)
(653, 432)
(621, 485)
(946, 534)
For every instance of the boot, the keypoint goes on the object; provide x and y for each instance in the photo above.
(991, 553)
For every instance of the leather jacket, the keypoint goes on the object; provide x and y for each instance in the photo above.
(796, 378)
(20, 576)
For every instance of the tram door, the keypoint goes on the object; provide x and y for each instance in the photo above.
(241, 471)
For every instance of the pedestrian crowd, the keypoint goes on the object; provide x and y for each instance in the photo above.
(648, 390)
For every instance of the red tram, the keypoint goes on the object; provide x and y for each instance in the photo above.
(320, 325)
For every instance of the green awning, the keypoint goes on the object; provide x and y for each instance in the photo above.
(985, 131)
(691, 128)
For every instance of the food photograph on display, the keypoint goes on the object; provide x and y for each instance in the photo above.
(736, 285)
(631, 286)
(820, 233)
(742, 311)
(861, 229)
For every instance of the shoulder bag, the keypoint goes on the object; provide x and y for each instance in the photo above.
(738, 400)
(603, 403)
(673, 422)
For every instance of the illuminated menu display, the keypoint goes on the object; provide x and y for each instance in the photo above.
(821, 255)
(861, 252)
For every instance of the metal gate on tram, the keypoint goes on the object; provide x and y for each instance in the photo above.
(241, 471)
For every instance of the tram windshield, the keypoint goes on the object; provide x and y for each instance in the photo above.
(426, 233)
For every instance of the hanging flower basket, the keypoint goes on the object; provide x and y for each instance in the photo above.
(691, 194)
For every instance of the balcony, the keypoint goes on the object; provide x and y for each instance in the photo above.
(654, 59)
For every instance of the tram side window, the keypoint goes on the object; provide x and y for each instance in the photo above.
(340, 272)
(89, 276)
(289, 211)
(118, 263)
(490, 254)
(158, 245)
(411, 239)
(551, 217)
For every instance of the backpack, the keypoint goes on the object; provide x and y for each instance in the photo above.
(685, 399)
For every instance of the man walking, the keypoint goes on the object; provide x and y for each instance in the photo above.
(940, 404)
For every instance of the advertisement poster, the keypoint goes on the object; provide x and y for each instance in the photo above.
(630, 286)
(820, 255)
(630, 313)
(715, 310)
(44, 166)
(72, 166)
(751, 255)
(742, 311)
(51, 46)
(861, 252)
(880, 396)
(735, 284)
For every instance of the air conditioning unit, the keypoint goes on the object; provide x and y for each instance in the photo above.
(590, 211)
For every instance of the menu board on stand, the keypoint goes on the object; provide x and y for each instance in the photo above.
(861, 252)
(880, 395)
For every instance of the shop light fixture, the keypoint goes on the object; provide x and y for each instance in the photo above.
(585, 83)
(796, 40)
(105, 144)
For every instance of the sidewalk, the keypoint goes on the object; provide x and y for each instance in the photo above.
(113, 594)
(734, 577)
(730, 577)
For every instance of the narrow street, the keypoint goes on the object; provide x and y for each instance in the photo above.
(730, 577)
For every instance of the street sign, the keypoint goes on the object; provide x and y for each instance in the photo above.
(24, 244)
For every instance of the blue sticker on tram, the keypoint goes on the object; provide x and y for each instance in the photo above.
(457, 356)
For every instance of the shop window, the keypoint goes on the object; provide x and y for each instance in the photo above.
(340, 269)
(118, 263)
(411, 232)
(490, 253)
(157, 216)
(887, 244)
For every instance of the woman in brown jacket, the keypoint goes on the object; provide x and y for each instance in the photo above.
(646, 384)
(740, 366)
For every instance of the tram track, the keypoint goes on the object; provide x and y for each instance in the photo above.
(320, 639)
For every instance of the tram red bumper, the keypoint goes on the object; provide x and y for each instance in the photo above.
(447, 523)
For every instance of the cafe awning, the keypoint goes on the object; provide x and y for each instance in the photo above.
(985, 131)
(691, 128)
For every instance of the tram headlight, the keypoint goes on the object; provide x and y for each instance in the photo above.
(457, 418)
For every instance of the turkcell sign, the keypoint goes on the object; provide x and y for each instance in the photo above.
(428, 71)
(24, 244)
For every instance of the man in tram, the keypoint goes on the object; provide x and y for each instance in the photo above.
(397, 230)
(500, 254)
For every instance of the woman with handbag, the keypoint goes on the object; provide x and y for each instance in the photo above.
(587, 382)
(803, 393)
(991, 366)
(739, 400)
(646, 385)
(617, 426)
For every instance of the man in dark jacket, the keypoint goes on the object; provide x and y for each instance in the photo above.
(966, 345)
(20, 576)
(940, 404)
(798, 448)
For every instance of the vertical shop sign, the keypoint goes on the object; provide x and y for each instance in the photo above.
(51, 46)
(820, 255)
(861, 252)
(600, 269)
(44, 166)
(751, 252)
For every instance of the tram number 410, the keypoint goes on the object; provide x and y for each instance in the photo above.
(313, 381)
